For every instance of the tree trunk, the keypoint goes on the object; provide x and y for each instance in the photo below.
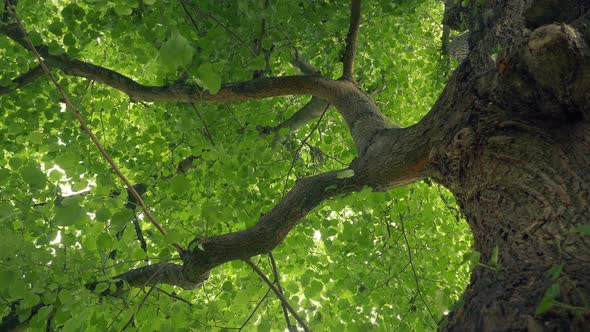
(518, 161)
(523, 191)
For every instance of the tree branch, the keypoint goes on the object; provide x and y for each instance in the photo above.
(411, 261)
(303, 65)
(275, 272)
(21, 31)
(23, 80)
(351, 39)
(248, 90)
(150, 275)
(272, 227)
(312, 110)
(278, 293)
(211, 17)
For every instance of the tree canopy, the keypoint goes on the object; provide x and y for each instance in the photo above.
(381, 260)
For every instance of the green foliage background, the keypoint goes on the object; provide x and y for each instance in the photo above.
(345, 267)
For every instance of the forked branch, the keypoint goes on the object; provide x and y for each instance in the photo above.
(351, 40)
(278, 294)
(311, 111)
(272, 227)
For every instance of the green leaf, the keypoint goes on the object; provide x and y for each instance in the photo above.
(264, 326)
(101, 287)
(554, 272)
(39, 321)
(122, 9)
(69, 40)
(29, 300)
(55, 48)
(68, 215)
(313, 289)
(104, 241)
(56, 28)
(259, 62)
(7, 277)
(493, 261)
(210, 213)
(36, 38)
(18, 289)
(174, 236)
(55, 175)
(242, 298)
(345, 174)
(176, 52)
(36, 138)
(208, 78)
(16, 162)
(120, 219)
(179, 184)
(548, 300)
(4, 174)
(103, 214)
(73, 12)
(583, 229)
(33, 175)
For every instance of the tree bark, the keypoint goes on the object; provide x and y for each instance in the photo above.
(516, 154)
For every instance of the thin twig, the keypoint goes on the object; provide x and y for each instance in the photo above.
(275, 272)
(213, 18)
(255, 309)
(301, 146)
(87, 130)
(133, 298)
(325, 154)
(351, 39)
(189, 15)
(130, 321)
(401, 218)
(207, 131)
(401, 320)
(262, 28)
(278, 293)
(174, 296)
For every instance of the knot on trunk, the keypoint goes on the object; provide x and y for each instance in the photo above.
(462, 141)
(554, 57)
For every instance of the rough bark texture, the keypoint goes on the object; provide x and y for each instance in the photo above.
(516, 154)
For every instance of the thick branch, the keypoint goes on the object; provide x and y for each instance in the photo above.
(23, 80)
(165, 273)
(363, 117)
(248, 90)
(272, 227)
(397, 157)
(351, 39)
